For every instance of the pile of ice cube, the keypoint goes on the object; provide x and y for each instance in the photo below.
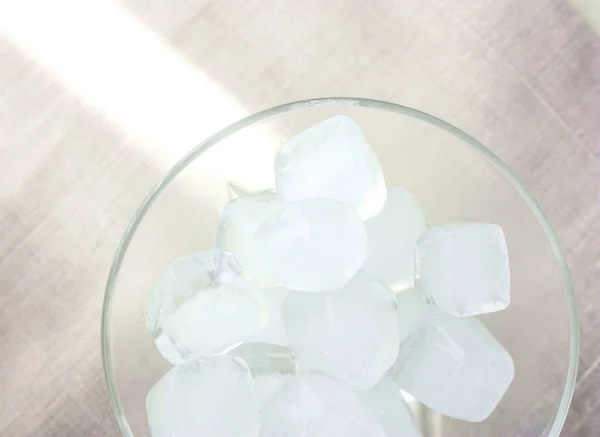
(321, 300)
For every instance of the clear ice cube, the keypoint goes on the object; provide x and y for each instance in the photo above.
(240, 219)
(202, 306)
(207, 397)
(331, 160)
(386, 402)
(393, 235)
(351, 334)
(313, 244)
(274, 331)
(456, 367)
(463, 269)
(302, 403)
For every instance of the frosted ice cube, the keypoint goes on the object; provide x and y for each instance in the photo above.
(412, 312)
(302, 402)
(299, 402)
(273, 332)
(201, 306)
(240, 219)
(463, 268)
(392, 236)
(271, 366)
(265, 387)
(331, 160)
(351, 420)
(456, 367)
(351, 334)
(208, 397)
(313, 244)
(386, 402)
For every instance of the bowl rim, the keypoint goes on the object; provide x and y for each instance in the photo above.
(562, 410)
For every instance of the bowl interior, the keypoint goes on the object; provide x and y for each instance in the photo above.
(452, 177)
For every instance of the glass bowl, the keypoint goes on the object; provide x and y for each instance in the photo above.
(452, 176)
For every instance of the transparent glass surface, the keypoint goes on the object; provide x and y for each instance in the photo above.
(452, 176)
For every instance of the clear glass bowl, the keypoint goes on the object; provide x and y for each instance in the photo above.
(452, 176)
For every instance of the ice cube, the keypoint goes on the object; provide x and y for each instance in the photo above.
(331, 160)
(201, 306)
(271, 366)
(299, 402)
(235, 190)
(392, 236)
(169, 350)
(266, 359)
(265, 387)
(207, 397)
(463, 268)
(412, 312)
(386, 402)
(313, 244)
(303, 402)
(185, 277)
(350, 420)
(240, 219)
(273, 332)
(351, 334)
(456, 367)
